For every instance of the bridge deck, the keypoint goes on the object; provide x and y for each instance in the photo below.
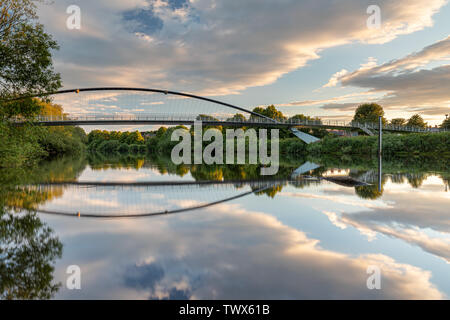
(174, 120)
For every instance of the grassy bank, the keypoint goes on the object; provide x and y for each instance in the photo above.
(425, 144)
(432, 145)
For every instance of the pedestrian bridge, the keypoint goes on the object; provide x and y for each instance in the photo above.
(140, 106)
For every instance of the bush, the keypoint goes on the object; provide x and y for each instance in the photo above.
(393, 144)
(134, 148)
(124, 148)
(292, 146)
(142, 148)
(109, 146)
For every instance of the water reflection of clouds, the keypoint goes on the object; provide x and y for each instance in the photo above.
(417, 216)
(229, 252)
(127, 175)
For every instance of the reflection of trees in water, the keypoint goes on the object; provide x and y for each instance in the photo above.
(29, 198)
(28, 251)
(99, 161)
(28, 247)
(272, 191)
(416, 179)
(15, 184)
(369, 192)
(398, 178)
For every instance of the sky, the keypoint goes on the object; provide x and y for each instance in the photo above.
(316, 57)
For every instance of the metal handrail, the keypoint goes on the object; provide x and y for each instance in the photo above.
(228, 119)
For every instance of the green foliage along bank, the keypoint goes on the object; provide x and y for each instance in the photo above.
(110, 142)
(437, 144)
(27, 144)
(26, 69)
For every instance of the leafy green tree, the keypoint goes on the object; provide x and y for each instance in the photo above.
(302, 117)
(160, 131)
(142, 148)
(398, 122)
(416, 121)
(124, 148)
(135, 138)
(26, 66)
(239, 117)
(446, 124)
(115, 135)
(13, 13)
(109, 146)
(369, 112)
(134, 148)
(206, 117)
(270, 112)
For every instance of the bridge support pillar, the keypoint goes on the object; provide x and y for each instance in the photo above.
(307, 138)
(380, 136)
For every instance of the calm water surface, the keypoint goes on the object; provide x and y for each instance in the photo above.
(145, 229)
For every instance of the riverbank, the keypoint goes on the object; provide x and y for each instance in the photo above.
(394, 145)
(29, 144)
(431, 145)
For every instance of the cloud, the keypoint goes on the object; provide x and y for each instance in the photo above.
(218, 47)
(331, 101)
(335, 78)
(406, 217)
(230, 259)
(406, 83)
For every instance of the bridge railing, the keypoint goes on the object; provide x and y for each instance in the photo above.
(226, 118)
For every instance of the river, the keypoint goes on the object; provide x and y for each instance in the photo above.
(142, 228)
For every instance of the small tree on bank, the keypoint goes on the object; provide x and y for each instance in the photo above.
(398, 122)
(416, 121)
(369, 112)
(446, 124)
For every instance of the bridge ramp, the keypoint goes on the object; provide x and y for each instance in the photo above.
(307, 138)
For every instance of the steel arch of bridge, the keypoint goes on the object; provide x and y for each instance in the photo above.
(166, 92)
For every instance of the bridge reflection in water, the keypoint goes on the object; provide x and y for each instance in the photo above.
(100, 199)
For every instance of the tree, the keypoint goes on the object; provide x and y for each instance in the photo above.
(238, 117)
(301, 117)
(160, 132)
(398, 122)
(446, 124)
(13, 13)
(26, 66)
(416, 121)
(124, 148)
(270, 112)
(369, 112)
(135, 138)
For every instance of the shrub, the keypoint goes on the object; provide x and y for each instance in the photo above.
(124, 148)
(142, 148)
(109, 146)
(134, 148)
